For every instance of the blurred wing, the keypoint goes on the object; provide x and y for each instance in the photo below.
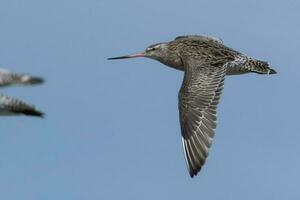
(8, 78)
(5, 78)
(198, 99)
(11, 106)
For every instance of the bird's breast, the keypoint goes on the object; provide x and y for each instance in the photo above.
(174, 63)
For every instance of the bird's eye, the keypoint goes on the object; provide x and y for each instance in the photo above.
(150, 49)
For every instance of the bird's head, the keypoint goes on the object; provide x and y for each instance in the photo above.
(159, 52)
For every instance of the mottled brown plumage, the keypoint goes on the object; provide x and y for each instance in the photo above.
(206, 61)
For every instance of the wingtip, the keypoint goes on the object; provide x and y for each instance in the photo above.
(194, 173)
(272, 71)
(36, 80)
(42, 115)
(34, 113)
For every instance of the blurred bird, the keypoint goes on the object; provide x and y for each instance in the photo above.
(11, 106)
(205, 61)
(8, 78)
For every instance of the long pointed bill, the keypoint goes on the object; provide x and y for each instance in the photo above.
(141, 54)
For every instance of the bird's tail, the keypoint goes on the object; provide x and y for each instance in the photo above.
(258, 66)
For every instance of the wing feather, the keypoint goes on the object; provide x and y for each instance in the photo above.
(198, 99)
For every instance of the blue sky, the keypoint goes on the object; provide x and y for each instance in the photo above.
(111, 129)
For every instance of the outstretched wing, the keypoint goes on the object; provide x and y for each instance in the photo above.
(9, 78)
(12, 106)
(198, 99)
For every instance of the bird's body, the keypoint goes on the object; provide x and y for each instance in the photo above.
(209, 50)
(205, 62)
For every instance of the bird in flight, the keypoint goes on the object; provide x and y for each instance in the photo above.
(205, 61)
(11, 106)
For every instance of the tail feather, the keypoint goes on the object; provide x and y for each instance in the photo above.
(260, 67)
(244, 64)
